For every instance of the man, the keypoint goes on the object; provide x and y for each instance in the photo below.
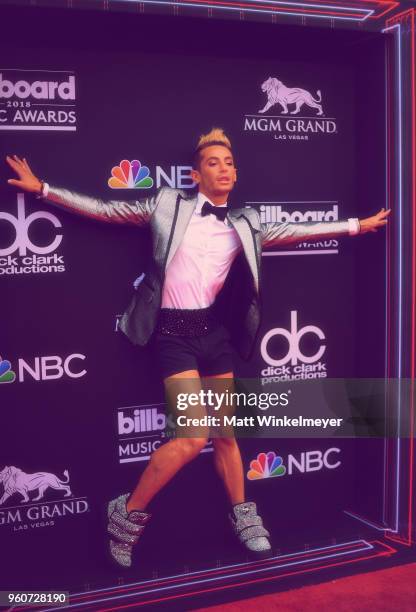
(195, 241)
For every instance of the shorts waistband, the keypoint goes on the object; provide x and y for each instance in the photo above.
(190, 323)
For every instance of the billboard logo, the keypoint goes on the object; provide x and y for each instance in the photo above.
(134, 175)
(22, 254)
(291, 212)
(269, 465)
(140, 420)
(275, 213)
(39, 90)
(37, 100)
(293, 364)
(142, 429)
(6, 373)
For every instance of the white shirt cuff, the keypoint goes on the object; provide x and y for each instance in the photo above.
(353, 226)
(45, 190)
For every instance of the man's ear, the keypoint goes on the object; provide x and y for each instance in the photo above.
(196, 177)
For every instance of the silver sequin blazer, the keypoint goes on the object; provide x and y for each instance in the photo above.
(168, 214)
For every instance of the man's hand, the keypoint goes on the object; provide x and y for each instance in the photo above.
(372, 224)
(27, 180)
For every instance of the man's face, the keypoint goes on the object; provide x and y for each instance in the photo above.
(216, 175)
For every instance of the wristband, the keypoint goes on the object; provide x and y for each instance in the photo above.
(353, 227)
(40, 194)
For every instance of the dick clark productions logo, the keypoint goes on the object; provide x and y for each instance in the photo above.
(294, 364)
(23, 254)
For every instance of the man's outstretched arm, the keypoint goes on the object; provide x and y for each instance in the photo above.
(282, 234)
(136, 212)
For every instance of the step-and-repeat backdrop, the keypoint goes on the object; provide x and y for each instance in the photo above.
(79, 404)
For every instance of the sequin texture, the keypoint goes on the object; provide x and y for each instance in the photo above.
(126, 528)
(248, 527)
(190, 323)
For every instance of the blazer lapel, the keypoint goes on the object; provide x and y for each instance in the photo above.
(247, 235)
(184, 213)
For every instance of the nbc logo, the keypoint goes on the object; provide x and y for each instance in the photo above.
(267, 465)
(6, 373)
(42, 368)
(130, 175)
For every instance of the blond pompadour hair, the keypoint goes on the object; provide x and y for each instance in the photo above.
(215, 137)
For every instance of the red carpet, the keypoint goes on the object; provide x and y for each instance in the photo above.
(382, 591)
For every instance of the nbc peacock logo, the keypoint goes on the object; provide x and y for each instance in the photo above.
(130, 175)
(6, 373)
(267, 465)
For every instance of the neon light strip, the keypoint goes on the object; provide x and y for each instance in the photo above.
(212, 571)
(243, 9)
(278, 3)
(413, 322)
(312, 6)
(234, 565)
(387, 281)
(389, 4)
(388, 551)
(400, 228)
(410, 14)
(370, 523)
(367, 546)
(246, 582)
(397, 27)
(243, 583)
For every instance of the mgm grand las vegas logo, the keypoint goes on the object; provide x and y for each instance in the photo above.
(30, 501)
(282, 101)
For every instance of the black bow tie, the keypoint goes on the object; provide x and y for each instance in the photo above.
(209, 209)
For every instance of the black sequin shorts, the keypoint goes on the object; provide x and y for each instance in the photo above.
(191, 323)
(208, 352)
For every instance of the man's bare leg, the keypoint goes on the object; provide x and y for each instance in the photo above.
(169, 458)
(228, 463)
(227, 456)
(246, 523)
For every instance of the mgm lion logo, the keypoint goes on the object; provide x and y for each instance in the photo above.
(17, 481)
(278, 93)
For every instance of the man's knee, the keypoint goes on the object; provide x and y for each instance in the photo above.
(224, 442)
(191, 447)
